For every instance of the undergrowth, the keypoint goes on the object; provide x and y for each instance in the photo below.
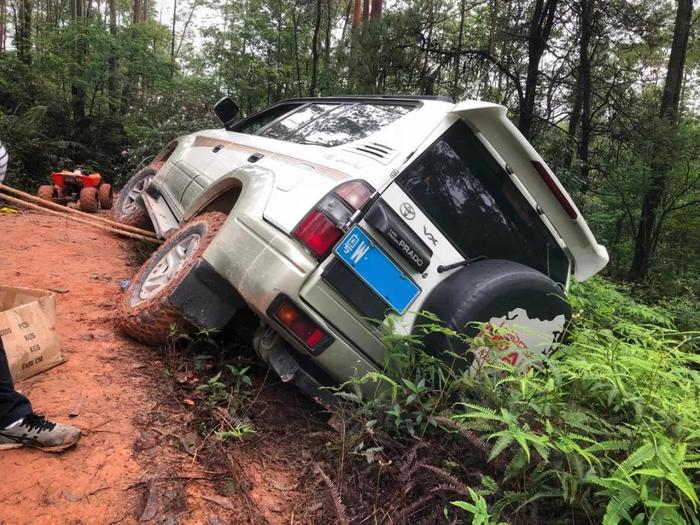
(607, 430)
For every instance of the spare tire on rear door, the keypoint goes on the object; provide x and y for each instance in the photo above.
(504, 293)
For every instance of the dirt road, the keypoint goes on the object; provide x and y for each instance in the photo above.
(132, 463)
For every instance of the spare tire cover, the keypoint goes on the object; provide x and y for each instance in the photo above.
(504, 293)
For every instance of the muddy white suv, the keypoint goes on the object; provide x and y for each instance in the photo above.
(325, 216)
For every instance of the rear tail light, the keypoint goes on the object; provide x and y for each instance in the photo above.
(322, 227)
(556, 190)
(291, 317)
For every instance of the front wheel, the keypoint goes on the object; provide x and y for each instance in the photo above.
(129, 208)
(146, 313)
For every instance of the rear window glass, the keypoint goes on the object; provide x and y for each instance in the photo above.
(473, 201)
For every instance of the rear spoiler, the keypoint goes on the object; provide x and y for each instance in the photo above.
(491, 121)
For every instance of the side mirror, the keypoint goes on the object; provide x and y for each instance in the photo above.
(226, 111)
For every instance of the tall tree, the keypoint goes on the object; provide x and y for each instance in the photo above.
(649, 221)
(540, 28)
(314, 49)
(23, 39)
(113, 61)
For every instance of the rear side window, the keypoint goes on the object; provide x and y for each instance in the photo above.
(330, 124)
(295, 121)
(466, 193)
(353, 123)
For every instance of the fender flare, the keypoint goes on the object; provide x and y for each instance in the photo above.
(236, 182)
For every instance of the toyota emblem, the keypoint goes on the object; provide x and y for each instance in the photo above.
(407, 211)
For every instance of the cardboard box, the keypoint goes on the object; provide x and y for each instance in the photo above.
(28, 331)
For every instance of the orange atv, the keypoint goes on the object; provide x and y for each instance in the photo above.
(78, 186)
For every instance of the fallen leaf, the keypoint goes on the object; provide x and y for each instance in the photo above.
(221, 501)
(70, 497)
(76, 409)
(189, 442)
(151, 507)
(188, 402)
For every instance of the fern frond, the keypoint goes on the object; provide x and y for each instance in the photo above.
(336, 500)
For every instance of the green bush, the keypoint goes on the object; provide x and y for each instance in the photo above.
(606, 431)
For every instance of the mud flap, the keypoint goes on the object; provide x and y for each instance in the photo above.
(205, 298)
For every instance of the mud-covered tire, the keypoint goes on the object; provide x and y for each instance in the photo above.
(128, 209)
(45, 192)
(150, 320)
(88, 200)
(105, 196)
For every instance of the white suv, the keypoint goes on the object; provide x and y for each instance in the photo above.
(327, 216)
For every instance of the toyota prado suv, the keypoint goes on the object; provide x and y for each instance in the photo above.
(338, 220)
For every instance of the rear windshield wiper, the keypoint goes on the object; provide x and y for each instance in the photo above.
(465, 262)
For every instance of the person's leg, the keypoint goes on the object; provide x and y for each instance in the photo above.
(19, 426)
(13, 405)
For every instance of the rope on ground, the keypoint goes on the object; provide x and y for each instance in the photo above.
(87, 216)
(123, 233)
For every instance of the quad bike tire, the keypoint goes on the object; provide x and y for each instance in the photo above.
(89, 201)
(105, 196)
(46, 192)
(150, 320)
(129, 211)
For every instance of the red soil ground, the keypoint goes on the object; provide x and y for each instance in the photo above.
(131, 464)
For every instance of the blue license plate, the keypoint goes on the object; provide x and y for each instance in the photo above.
(374, 267)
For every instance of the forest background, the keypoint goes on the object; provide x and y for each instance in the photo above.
(607, 91)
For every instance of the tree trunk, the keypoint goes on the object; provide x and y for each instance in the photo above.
(24, 31)
(295, 21)
(172, 33)
(3, 25)
(113, 61)
(356, 14)
(585, 71)
(327, 49)
(538, 36)
(314, 50)
(649, 223)
(460, 41)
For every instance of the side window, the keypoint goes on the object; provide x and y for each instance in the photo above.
(358, 121)
(295, 121)
(253, 123)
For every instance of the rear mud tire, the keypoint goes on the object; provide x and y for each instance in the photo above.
(128, 208)
(46, 192)
(152, 320)
(106, 197)
(88, 200)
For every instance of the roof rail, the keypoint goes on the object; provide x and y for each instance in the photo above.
(441, 98)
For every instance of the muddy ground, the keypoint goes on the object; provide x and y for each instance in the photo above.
(145, 455)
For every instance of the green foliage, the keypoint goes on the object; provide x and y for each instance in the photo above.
(240, 431)
(478, 509)
(608, 430)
